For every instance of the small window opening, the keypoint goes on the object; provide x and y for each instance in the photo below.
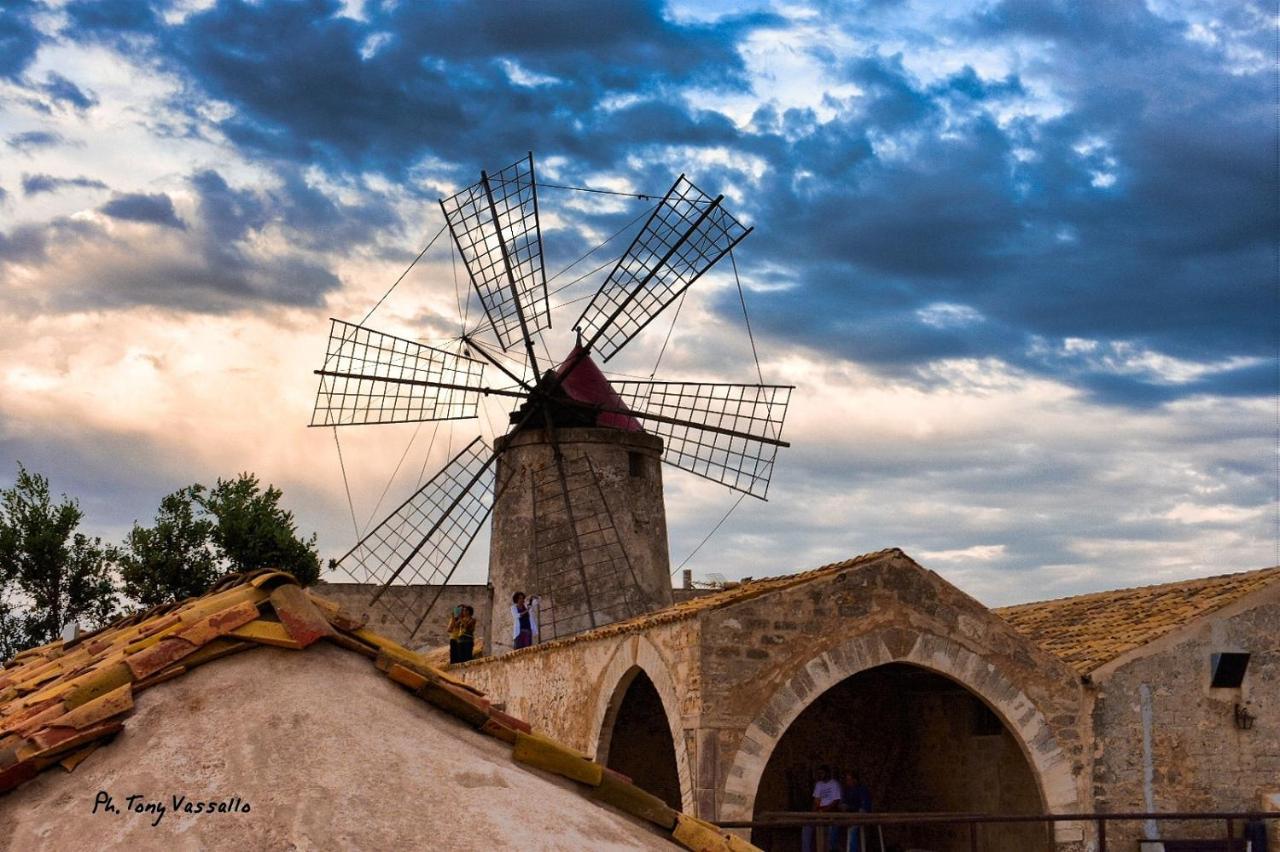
(1228, 670)
(984, 722)
(636, 462)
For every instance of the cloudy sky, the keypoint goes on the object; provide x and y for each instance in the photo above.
(1017, 256)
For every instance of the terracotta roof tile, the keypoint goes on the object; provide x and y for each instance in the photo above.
(1088, 631)
(60, 701)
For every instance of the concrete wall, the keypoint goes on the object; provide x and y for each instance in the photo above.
(392, 619)
(1169, 742)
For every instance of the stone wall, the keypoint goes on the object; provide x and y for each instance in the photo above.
(390, 620)
(733, 679)
(573, 689)
(1167, 741)
(920, 743)
(620, 523)
(765, 660)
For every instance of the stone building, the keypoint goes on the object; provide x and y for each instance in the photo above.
(1161, 698)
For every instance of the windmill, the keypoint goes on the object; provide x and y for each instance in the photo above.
(547, 475)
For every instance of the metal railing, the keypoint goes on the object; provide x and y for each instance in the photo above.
(781, 821)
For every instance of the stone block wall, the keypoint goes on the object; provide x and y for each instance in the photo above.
(767, 659)
(571, 689)
(355, 597)
(1168, 741)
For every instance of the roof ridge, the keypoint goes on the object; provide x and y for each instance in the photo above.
(1169, 585)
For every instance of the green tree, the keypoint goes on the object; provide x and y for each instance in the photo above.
(174, 559)
(51, 574)
(252, 531)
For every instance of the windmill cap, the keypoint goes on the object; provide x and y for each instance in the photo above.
(585, 383)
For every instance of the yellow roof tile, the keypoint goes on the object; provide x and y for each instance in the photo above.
(1087, 631)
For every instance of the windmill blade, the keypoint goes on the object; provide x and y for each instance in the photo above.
(724, 432)
(495, 226)
(420, 544)
(687, 233)
(373, 377)
(580, 566)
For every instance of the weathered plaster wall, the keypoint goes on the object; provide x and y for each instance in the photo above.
(1168, 742)
(354, 598)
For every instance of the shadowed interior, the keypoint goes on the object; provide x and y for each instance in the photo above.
(920, 742)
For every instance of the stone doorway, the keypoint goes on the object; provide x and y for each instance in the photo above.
(920, 742)
(639, 743)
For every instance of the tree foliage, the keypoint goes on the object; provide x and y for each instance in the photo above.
(51, 574)
(175, 558)
(252, 531)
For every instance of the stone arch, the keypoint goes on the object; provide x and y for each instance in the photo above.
(1050, 765)
(634, 655)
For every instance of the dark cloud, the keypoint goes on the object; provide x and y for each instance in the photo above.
(62, 91)
(38, 183)
(155, 209)
(1138, 212)
(19, 37)
(315, 86)
(33, 140)
(29, 243)
(106, 18)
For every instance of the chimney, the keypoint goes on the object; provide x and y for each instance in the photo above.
(687, 577)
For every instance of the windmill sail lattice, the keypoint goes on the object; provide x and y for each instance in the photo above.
(373, 377)
(421, 543)
(687, 233)
(724, 432)
(495, 226)
(571, 549)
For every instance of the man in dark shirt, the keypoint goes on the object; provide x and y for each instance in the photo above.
(855, 798)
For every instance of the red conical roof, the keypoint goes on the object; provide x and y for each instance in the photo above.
(585, 383)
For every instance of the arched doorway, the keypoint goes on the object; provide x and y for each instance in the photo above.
(637, 740)
(920, 742)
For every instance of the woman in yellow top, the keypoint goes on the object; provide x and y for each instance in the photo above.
(462, 633)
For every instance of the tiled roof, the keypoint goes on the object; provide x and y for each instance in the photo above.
(703, 603)
(1088, 631)
(60, 702)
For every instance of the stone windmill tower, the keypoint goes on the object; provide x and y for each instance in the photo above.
(575, 486)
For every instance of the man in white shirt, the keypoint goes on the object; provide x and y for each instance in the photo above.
(826, 797)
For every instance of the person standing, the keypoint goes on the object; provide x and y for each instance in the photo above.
(462, 634)
(524, 620)
(855, 798)
(826, 797)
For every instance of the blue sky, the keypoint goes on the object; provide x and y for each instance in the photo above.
(1018, 257)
